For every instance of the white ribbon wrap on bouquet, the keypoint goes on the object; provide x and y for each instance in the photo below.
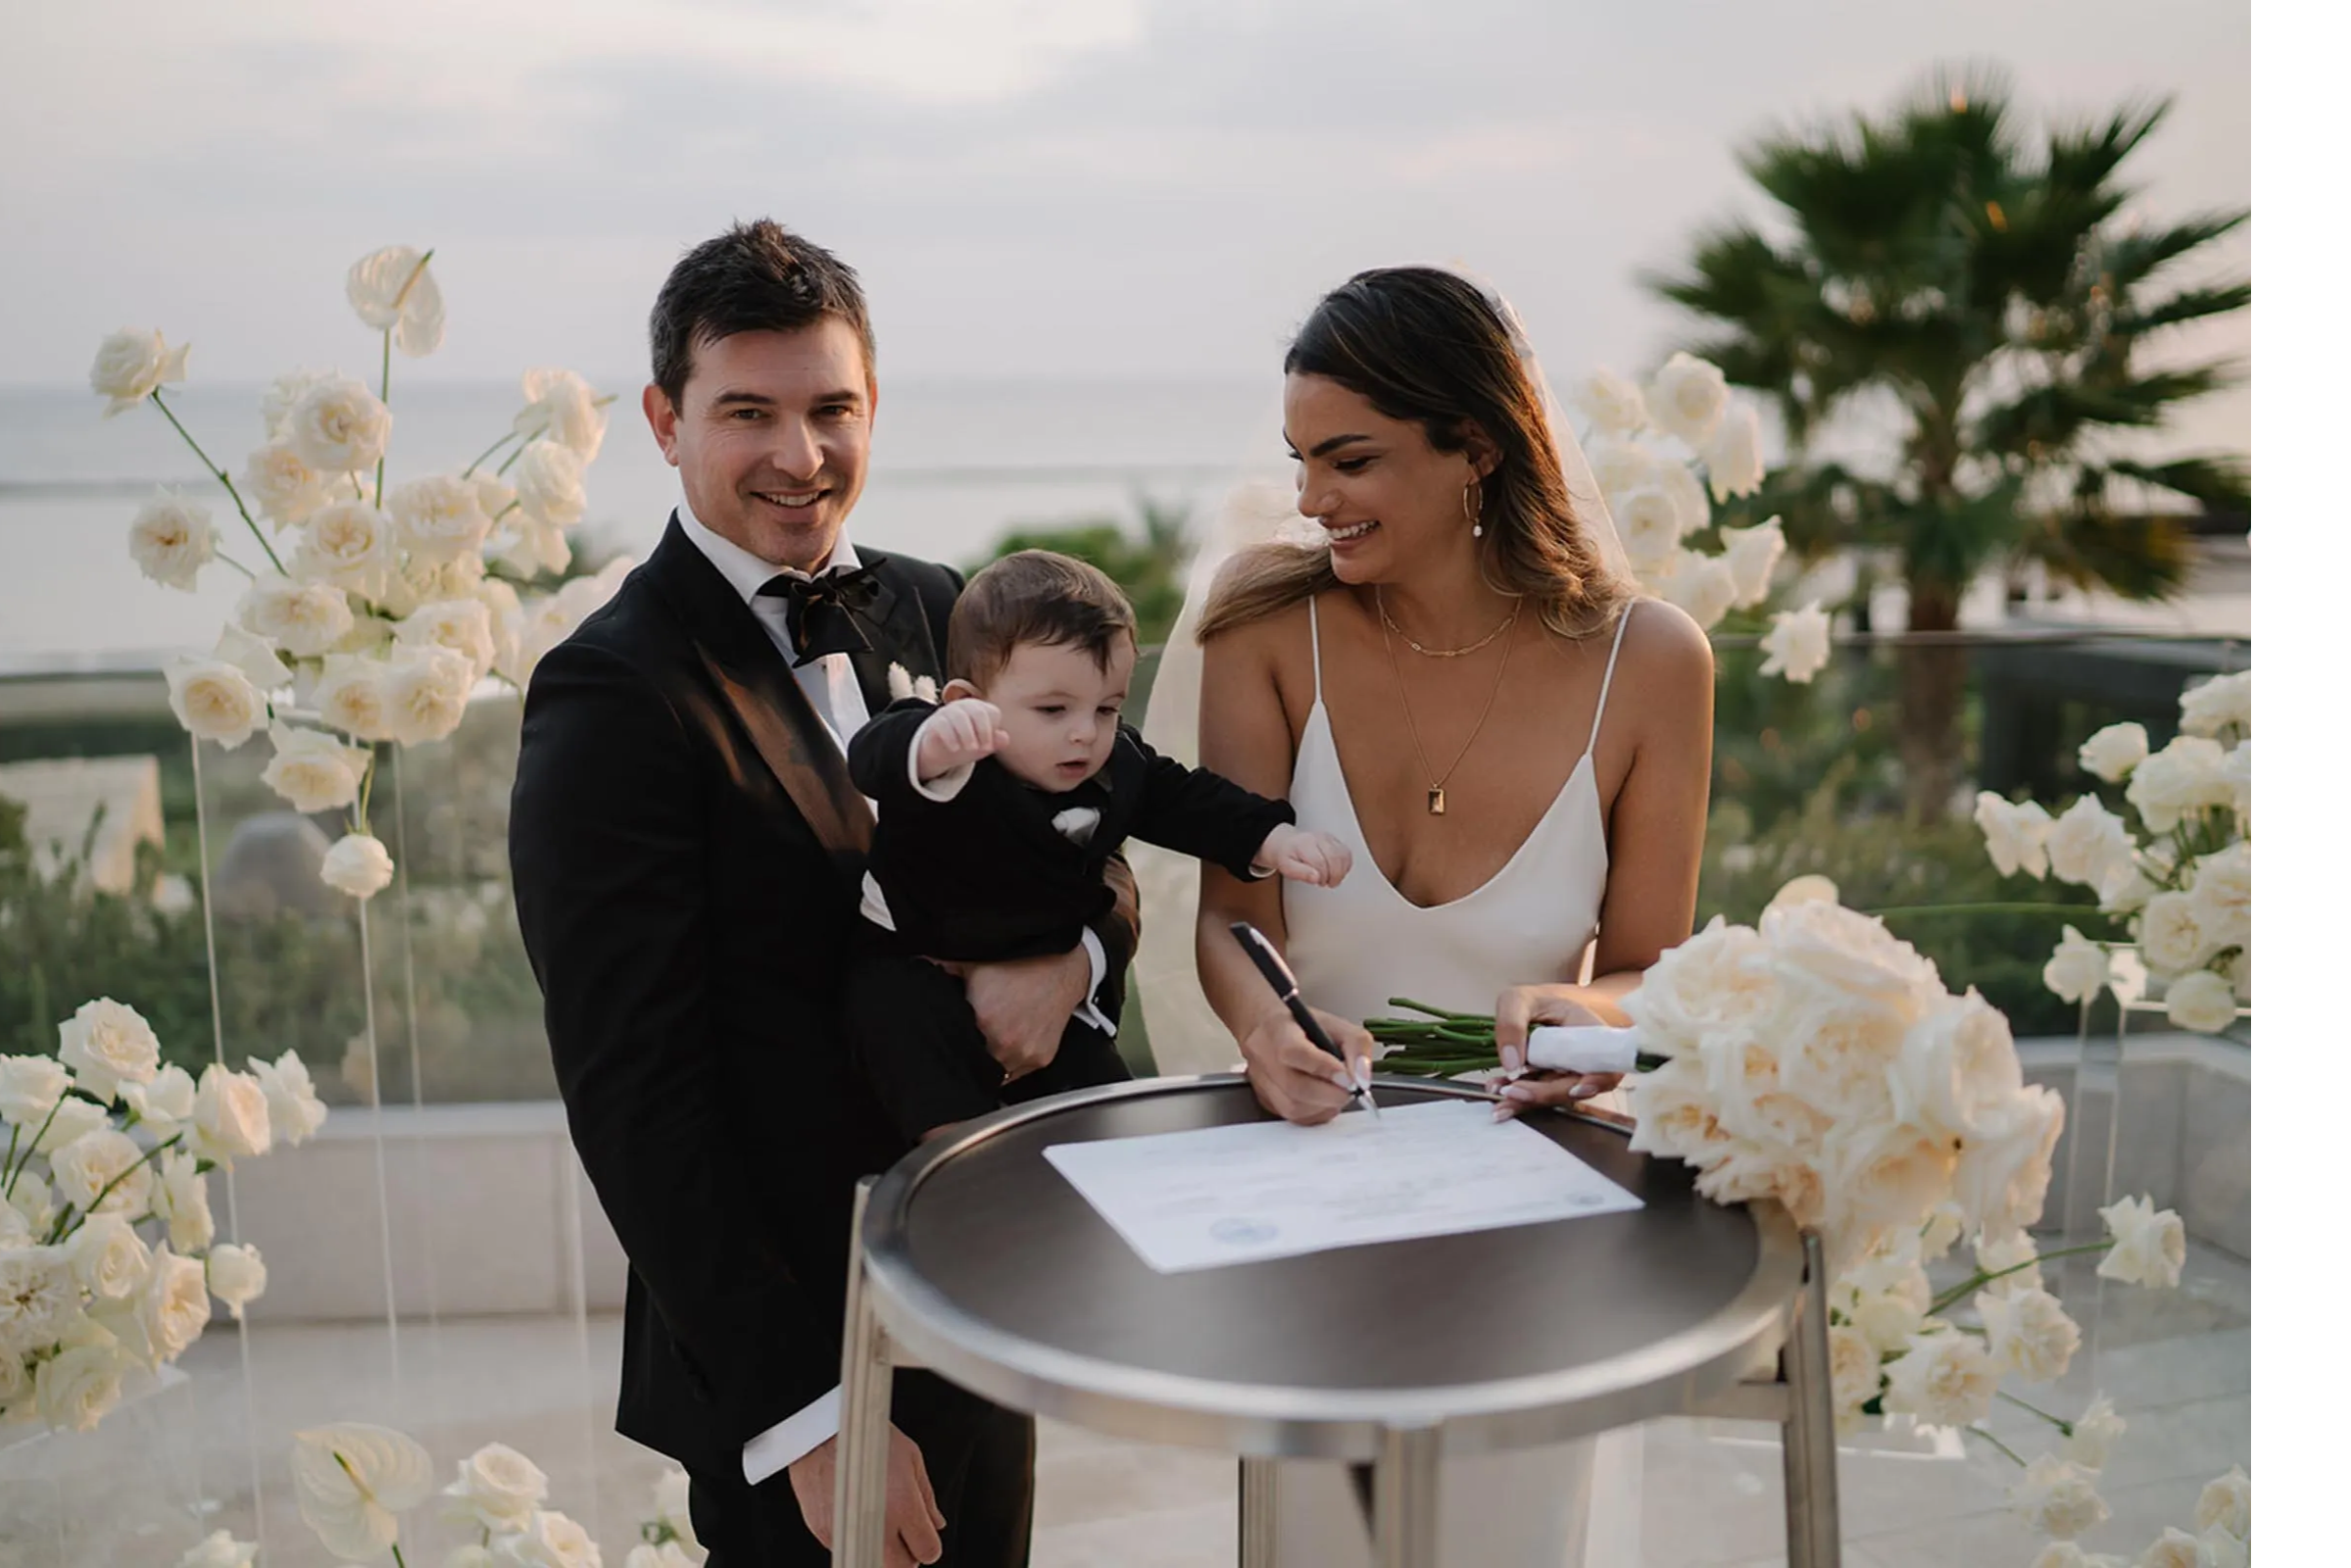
(1581, 1048)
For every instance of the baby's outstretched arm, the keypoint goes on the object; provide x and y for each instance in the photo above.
(956, 736)
(1317, 858)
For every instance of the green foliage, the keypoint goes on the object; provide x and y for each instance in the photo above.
(1150, 568)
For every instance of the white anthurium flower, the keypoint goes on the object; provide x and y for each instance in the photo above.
(236, 1275)
(349, 545)
(462, 625)
(547, 483)
(2220, 705)
(219, 1549)
(1702, 586)
(305, 618)
(2030, 1334)
(313, 771)
(171, 539)
(2059, 1499)
(561, 406)
(75, 1389)
(2016, 834)
(214, 699)
(2112, 753)
(337, 427)
(393, 289)
(2203, 1002)
(29, 1086)
(2087, 843)
(1752, 553)
(232, 1116)
(356, 865)
(1946, 1378)
(2095, 1433)
(106, 1044)
(1687, 398)
(283, 488)
(174, 1307)
(1797, 646)
(426, 689)
(351, 696)
(1734, 459)
(2077, 969)
(2150, 1245)
(352, 1483)
(131, 365)
(296, 1112)
(1611, 402)
(496, 1488)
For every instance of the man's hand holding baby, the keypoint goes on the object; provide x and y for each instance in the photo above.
(956, 736)
(1315, 858)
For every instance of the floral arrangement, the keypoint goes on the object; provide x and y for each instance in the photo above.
(1659, 501)
(2223, 1537)
(353, 1480)
(2181, 878)
(107, 1257)
(387, 605)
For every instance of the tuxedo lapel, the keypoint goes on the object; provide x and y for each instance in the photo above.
(894, 625)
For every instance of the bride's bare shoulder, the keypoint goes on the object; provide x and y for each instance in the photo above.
(1665, 655)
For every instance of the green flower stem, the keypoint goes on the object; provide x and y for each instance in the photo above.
(13, 1133)
(60, 1230)
(512, 458)
(2064, 1426)
(2002, 1446)
(384, 396)
(10, 1191)
(366, 791)
(220, 473)
(398, 1561)
(488, 452)
(1981, 1279)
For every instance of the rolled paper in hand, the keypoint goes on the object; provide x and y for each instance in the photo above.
(1581, 1048)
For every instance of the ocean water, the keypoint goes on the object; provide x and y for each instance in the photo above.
(954, 464)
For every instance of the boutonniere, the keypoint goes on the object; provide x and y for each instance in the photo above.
(903, 684)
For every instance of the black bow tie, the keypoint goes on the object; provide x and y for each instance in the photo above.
(821, 612)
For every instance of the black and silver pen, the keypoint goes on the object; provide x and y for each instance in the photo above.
(1284, 985)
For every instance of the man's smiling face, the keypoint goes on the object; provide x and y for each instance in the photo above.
(770, 437)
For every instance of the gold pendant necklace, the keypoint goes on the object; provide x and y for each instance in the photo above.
(1436, 780)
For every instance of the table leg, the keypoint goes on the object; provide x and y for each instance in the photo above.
(861, 1457)
(1257, 1479)
(1405, 1498)
(1808, 1435)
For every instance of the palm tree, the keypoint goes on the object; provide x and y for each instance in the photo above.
(1986, 294)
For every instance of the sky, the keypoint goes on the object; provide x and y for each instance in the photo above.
(1030, 187)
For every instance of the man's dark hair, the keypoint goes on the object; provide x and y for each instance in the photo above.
(755, 277)
(1034, 596)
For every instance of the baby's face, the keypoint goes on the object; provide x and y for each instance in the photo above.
(1061, 709)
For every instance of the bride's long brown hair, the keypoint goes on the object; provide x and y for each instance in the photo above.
(1423, 344)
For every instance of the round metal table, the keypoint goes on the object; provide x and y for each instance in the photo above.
(973, 1257)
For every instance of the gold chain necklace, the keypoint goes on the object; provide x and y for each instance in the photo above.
(1387, 623)
(1436, 781)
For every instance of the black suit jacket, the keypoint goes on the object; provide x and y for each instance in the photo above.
(686, 875)
(985, 875)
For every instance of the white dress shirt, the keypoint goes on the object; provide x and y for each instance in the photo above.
(832, 689)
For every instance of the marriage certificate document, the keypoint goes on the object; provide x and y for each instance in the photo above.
(1260, 1190)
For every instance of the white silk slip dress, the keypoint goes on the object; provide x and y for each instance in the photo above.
(1355, 947)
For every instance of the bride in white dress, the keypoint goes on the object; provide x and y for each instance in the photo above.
(1450, 672)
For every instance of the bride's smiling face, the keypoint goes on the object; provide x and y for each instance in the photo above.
(1387, 499)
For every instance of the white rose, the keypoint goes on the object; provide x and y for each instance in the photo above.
(295, 1111)
(105, 1045)
(2176, 1550)
(1682, 488)
(2185, 776)
(1649, 528)
(1881, 1175)
(1711, 980)
(2236, 771)
(171, 539)
(2240, 976)
(496, 1488)
(1735, 457)
(1701, 585)
(2002, 1178)
(454, 578)
(2095, 1433)
(2223, 1549)
(102, 1161)
(173, 1308)
(2030, 1334)
(550, 1539)
(1854, 1376)
(40, 1299)
(561, 406)
(338, 426)
(2125, 888)
(305, 618)
(2150, 1245)
(1751, 554)
(29, 1197)
(72, 1118)
(1941, 1232)
(529, 546)
(357, 865)
(107, 1257)
(1946, 1378)
(220, 1550)
(548, 619)
(347, 545)
(2171, 938)
(352, 1483)
(213, 701)
(2222, 895)
(2086, 843)
(2015, 835)
(547, 483)
(2202, 1002)
(2006, 1257)
(2214, 707)
(313, 771)
(671, 1492)
(2058, 1499)
(351, 696)
(461, 625)
(232, 1116)
(183, 1200)
(1797, 644)
(1957, 1067)
(284, 489)
(2114, 752)
(439, 518)
(393, 289)
(131, 364)
(1852, 951)
(1674, 1111)
(1887, 1300)
(236, 1275)
(2077, 969)
(1687, 398)
(28, 1087)
(424, 693)
(76, 1388)
(2227, 1504)
(256, 657)
(1612, 403)
(279, 398)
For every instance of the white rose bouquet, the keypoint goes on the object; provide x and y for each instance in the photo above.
(107, 1257)
(378, 609)
(2179, 879)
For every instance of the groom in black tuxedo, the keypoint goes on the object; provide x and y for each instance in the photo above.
(687, 851)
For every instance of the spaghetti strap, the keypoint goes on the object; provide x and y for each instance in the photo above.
(1623, 620)
(1314, 638)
